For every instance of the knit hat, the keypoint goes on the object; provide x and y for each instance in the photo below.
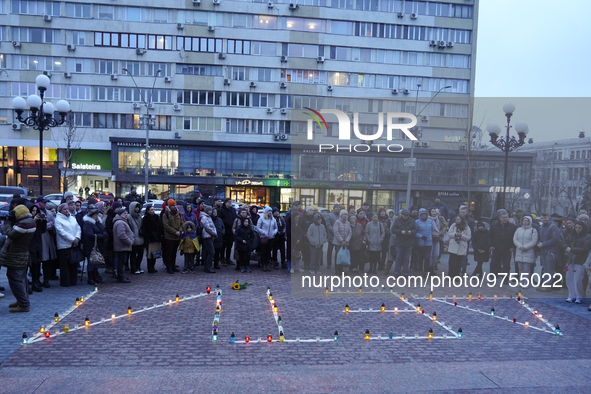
(92, 201)
(170, 203)
(405, 212)
(275, 209)
(336, 206)
(267, 209)
(62, 206)
(92, 212)
(308, 209)
(354, 217)
(344, 213)
(116, 205)
(20, 211)
(68, 194)
(349, 207)
(380, 209)
(582, 216)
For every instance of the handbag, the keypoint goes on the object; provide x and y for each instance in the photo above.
(157, 254)
(343, 256)
(264, 240)
(96, 257)
(76, 255)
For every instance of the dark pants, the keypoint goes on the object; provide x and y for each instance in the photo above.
(17, 280)
(455, 264)
(217, 255)
(68, 271)
(305, 249)
(137, 254)
(331, 246)
(356, 259)
(279, 246)
(315, 257)
(227, 249)
(500, 262)
(151, 265)
(402, 259)
(35, 268)
(374, 260)
(121, 257)
(265, 252)
(169, 249)
(207, 251)
(478, 269)
(244, 258)
(424, 258)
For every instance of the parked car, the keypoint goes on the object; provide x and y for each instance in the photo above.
(56, 198)
(105, 196)
(4, 211)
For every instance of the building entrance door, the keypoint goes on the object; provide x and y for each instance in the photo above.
(237, 195)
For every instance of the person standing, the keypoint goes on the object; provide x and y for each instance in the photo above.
(405, 229)
(110, 258)
(438, 231)
(254, 216)
(48, 243)
(68, 235)
(386, 224)
(36, 248)
(172, 223)
(356, 244)
(218, 242)
(133, 196)
(279, 244)
(244, 236)
(228, 216)
(501, 241)
(457, 238)
(151, 228)
(342, 232)
(525, 239)
(576, 247)
(93, 232)
(549, 244)
(443, 209)
(20, 229)
(481, 245)
(331, 219)
(374, 235)
(316, 235)
(188, 246)
(122, 242)
(137, 250)
(424, 241)
(267, 229)
(209, 234)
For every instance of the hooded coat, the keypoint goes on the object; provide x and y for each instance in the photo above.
(267, 227)
(424, 229)
(189, 242)
(481, 240)
(341, 231)
(245, 233)
(91, 229)
(135, 223)
(460, 248)
(220, 228)
(254, 216)
(209, 230)
(122, 235)
(15, 252)
(151, 228)
(579, 245)
(189, 215)
(67, 230)
(526, 237)
(316, 233)
(374, 235)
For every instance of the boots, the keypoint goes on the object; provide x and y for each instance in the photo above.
(97, 277)
(387, 272)
(91, 280)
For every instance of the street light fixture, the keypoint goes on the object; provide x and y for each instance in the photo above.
(41, 115)
(412, 144)
(507, 144)
(147, 103)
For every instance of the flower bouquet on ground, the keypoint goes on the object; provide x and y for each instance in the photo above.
(240, 286)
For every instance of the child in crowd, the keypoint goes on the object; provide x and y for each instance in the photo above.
(481, 246)
(188, 246)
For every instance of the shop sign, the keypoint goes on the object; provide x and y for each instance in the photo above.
(449, 194)
(277, 182)
(498, 189)
(85, 166)
(249, 182)
(91, 160)
(311, 184)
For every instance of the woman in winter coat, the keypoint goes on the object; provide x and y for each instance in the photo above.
(438, 232)
(481, 246)
(356, 245)
(267, 229)
(189, 215)
(93, 232)
(244, 236)
(111, 257)
(296, 234)
(386, 223)
(576, 247)
(341, 231)
(68, 236)
(218, 242)
(374, 235)
(254, 216)
(317, 237)
(36, 248)
(137, 249)
(122, 242)
(424, 241)
(152, 231)
(458, 236)
(525, 238)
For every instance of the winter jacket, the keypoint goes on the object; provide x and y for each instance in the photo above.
(189, 215)
(220, 229)
(109, 227)
(237, 223)
(459, 248)
(297, 234)
(341, 231)
(374, 235)
(254, 216)
(90, 229)
(357, 237)
(135, 223)
(424, 229)
(316, 234)
(228, 216)
(15, 252)
(437, 227)
(481, 240)
(443, 209)
(331, 219)
(67, 230)
(133, 197)
(189, 242)
(151, 228)
(550, 238)
(122, 235)
(501, 236)
(245, 233)
(267, 227)
(280, 225)
(209, 230)
(579, 245)
(36, 244)
(400, 225)
(527, 237)
(171, 224)
(363, 222)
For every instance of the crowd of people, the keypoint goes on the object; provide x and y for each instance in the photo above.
(117, 235)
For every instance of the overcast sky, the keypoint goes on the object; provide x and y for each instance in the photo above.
(535, 49)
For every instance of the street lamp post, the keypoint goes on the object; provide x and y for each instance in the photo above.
(147, 103)
(412, 144)
(507, 144)
(41, 115)
(551, 180)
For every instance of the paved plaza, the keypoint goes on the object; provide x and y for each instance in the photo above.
(169, 348)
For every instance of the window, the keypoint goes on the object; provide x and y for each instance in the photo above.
(199, 69)
(78, 92)
(265, 22)
(313, 25)
(25, 34)
(41, 63)
(161, 122)
(239, 73)
(77, 10)
(199, 124)
(196, 44)
(81, 119)
(105, 121)
(237, 99)
(239, 47)
(130, 121)
(264, 48)
(133, 14)
(159, 42)
(33, 7)
(106, 12)
(79, 37)
(263, 100)
(265, 74)
(198, 97)
(123, 40)
(28, 88)
(301, 50)
(106, 66)
(102, 93)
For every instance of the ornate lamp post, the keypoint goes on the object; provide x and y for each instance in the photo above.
(507, 144)
(41, 115)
